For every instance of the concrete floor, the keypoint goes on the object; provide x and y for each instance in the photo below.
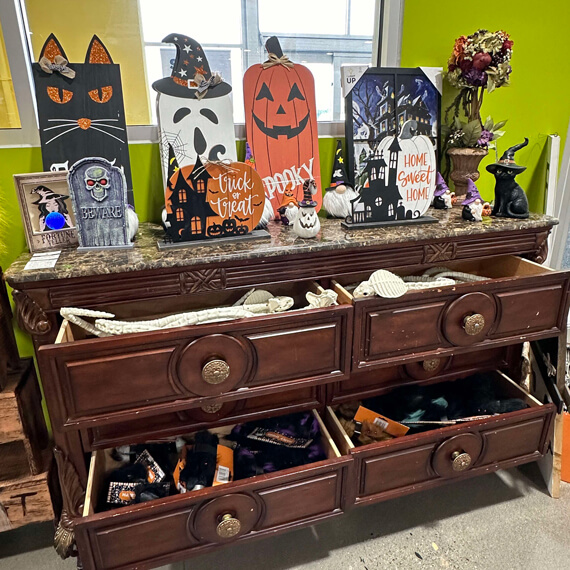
(503, 520)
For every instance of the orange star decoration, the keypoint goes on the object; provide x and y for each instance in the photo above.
(186, 62)
(200, 70)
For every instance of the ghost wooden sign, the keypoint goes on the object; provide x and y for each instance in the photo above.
(212, 200)
(99, 196)
(80, 108)
(397, 182)
(281, 125)
(195, 110)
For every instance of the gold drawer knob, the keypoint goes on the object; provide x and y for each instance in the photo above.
(431, 365)
(473, 324)
(228, 527)
(461, 460)
(216, 371)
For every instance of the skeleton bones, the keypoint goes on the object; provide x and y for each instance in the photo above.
(105, 327)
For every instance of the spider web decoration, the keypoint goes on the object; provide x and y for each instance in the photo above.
(178, 145)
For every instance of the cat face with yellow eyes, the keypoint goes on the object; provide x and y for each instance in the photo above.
(80, 107)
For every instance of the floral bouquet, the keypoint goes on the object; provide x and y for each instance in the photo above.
(480, 62)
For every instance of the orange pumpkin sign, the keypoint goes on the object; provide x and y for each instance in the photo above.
(281, 125)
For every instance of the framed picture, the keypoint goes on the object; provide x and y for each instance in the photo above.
(45, 204)
(389, 102)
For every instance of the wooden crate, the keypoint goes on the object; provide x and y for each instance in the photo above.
(23, 433)
(26, 499)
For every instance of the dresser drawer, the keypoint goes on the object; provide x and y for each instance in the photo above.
(424, 460)
(149, 534)
(96, 381)
(521, 300)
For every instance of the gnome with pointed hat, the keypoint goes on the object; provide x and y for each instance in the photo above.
(442, 196)
(510, 198)
(307, 223)
(195, 110)
(289, 208)
(473, 204)
(339, 195)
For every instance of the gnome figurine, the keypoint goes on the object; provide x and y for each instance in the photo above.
(289, 209)
(473, 204)
(195, 110)
(510, 198)
(307, 224)
(339, 195)
(442, 195)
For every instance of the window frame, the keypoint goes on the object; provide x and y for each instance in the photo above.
(387, 52)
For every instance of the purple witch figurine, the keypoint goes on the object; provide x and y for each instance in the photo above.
(442, 196)
(473, 204)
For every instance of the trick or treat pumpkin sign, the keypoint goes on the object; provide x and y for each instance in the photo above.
(281, 124)
(212, 200)
(194, 106)
(397, 182)
(80, 108)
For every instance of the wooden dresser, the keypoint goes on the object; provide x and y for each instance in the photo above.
(103, 392)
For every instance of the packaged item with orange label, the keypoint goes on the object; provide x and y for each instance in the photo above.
(391, 427)
(224, 465)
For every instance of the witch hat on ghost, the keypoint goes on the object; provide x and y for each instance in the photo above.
(191, 76)
(309, 189)
(339, 176)
(472, 193)
(508, 160)
(440, 186)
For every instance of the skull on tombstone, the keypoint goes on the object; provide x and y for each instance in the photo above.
(97, 182)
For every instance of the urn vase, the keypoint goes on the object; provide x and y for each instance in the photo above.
(465, 166)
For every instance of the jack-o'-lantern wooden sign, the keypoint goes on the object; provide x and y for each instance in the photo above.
(211, 200)
(281, 124)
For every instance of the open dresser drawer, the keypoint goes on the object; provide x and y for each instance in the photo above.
(520, 300)
(418, 461)
(97, 381)
(145, 535)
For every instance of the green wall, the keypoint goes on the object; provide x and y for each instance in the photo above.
(536, 102)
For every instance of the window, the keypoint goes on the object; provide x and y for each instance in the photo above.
(390, 209)
(196, 225)
(179, 215)
(378, 201)
(200, 186)
(182, 198)
(9, 117)
(321, 34)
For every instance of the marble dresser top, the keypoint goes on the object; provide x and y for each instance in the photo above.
(146, 256)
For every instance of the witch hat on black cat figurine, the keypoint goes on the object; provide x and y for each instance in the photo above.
(510, 198)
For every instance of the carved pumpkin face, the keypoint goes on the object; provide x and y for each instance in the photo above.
(486, 209)
(281, 124)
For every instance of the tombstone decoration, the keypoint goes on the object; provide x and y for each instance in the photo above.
(80, 108)
(472, 204)
(510, 198)
(99, 195)
(281, 124)
(443, 197)
(396, 184)
(195, 110)
(338, 197)
(211, 200)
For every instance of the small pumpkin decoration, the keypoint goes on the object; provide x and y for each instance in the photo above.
(281, 124)
(487, 209)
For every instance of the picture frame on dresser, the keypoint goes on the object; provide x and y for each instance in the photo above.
(47, 213)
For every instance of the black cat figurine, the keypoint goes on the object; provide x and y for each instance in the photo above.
(80, 108)
(510, 198)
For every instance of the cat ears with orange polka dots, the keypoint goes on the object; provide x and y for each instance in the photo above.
(96, 52)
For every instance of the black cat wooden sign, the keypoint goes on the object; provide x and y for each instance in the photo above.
(212, 200)
(99, 196)
(80, 108)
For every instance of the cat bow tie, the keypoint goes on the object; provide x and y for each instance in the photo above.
(59, 64)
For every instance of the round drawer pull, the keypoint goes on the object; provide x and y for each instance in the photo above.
(474, 324)
(431, 365)
(211, 408)
(460, 460)
(228, 527)
(215, 372)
